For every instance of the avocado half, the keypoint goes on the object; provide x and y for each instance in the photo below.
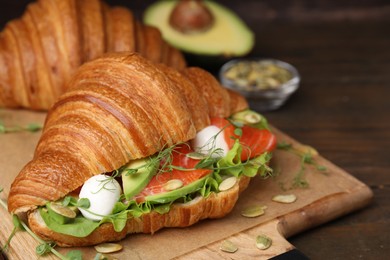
(228, 37)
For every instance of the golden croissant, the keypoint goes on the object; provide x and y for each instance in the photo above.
(40, 51)
(120, 109)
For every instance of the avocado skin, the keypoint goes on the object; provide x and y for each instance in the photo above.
(206, 53)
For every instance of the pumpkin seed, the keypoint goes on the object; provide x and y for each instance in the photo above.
(263, 242)
(252, 118)
(100, 256)
(63, 210)
(228, 246)
(173, 184)
(74, 208)
(106, 248)
(253, 211)
(287, 198)
(258, 75)
(307, 149)
(227, 183)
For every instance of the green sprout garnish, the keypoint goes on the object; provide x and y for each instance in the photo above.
(306, 157)
(32, 127)
(44, 247)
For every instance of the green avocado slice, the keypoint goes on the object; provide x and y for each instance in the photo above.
(135, 182)
(173, 195)
(228, 36)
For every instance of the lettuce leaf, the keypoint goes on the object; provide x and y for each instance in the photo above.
(79, 227)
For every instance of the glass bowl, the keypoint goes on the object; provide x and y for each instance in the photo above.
(266, 82)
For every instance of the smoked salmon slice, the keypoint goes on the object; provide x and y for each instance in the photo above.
(183, 169)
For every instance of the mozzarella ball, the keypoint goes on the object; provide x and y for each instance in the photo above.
(102, 192)
(208, 140)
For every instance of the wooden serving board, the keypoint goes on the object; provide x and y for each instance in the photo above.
(329, 195)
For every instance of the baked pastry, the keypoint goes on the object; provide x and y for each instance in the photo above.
(40, 51)
(148, 125)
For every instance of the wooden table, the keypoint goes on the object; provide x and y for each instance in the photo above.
(342, 107)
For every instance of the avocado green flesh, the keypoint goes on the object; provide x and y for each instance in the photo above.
(170, 196)
(229, 35)
(134, 183)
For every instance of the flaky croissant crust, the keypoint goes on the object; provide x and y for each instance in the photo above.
(40, 51)
(117, 108)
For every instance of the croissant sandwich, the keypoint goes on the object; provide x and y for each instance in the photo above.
(40, 51)
(133, 147)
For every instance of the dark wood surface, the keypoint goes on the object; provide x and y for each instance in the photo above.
(342, 108)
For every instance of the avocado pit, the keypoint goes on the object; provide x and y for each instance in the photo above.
(208, 43)
(191, 16)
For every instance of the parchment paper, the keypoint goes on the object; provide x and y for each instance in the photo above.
(18, 148)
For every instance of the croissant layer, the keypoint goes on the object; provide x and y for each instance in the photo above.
(217, 205)
(117, 108)
(40, 51)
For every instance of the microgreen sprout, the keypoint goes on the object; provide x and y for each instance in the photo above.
(83, 203)
(17, 226)
(32, 127)
(66, 201)
(306, 155)
(44, 247)
(208, 155)
(209, 147)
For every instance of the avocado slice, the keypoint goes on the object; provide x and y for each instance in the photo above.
(228, 36)
(137, 174)
(173, 195)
